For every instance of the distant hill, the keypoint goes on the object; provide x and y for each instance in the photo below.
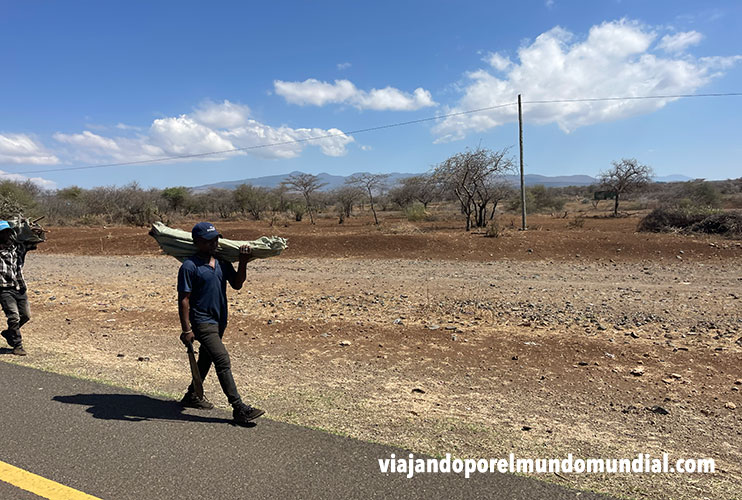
(672, 178)
(335, 181)
(271, 181)
(556, 181)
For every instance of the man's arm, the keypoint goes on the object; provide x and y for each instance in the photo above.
(238, 279)
(184, 309)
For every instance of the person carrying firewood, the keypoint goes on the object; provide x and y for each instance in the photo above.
(13, 297)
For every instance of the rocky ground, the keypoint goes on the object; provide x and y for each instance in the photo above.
(604, 357)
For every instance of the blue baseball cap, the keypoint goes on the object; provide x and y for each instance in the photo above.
(205, 230)
(4, 225)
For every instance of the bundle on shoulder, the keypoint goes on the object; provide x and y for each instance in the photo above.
(28, 232)
(179, 244)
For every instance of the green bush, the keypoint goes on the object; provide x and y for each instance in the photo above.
(17, 198)
(539, 199)
(415, 212)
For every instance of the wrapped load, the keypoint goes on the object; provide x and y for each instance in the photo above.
(179, 244)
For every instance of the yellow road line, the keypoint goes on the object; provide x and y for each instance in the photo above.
(40, 486)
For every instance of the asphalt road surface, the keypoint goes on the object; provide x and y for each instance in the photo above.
(113, 443)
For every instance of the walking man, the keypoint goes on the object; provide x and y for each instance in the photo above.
(13, 296)
(202, 306)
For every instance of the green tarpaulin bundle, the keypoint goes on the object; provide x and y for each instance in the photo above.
(179, 244)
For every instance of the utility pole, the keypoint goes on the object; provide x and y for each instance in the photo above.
(522, 177)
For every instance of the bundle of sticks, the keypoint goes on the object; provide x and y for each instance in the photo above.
(29, 232)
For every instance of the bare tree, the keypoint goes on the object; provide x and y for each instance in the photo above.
(422, 188)
(306, 184)
(370, 183)
(346, 197)
(401, 195)
(625, 176)
(471, 177)
(490, 191)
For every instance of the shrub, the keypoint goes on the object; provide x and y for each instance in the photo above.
(698, 220)
(663, 220)
(17, 198)
(493, 230)
(415, 212)
(725, 223)
(576, 223)
(539, 199)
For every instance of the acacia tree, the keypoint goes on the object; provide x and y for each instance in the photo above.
(176, 197)
(625, 176)
(369, 183)
(346, 197)
(422, 188)
(251, 199)
(471, 176)
(490, 191)
(306, 184)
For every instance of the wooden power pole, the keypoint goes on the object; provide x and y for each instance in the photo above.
(522, 177)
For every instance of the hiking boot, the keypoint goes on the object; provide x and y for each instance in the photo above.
(190, 400)
(19, 350)
(243, 414)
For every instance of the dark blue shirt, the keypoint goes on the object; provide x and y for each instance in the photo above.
(208, 289)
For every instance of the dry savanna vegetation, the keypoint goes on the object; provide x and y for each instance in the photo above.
(387, 320)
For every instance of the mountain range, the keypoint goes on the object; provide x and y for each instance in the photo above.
(335, 181)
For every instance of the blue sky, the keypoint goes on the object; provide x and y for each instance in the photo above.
(87, 83)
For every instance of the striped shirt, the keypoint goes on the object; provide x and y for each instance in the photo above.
(12, 258)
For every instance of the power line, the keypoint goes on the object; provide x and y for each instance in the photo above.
(268, 145)
(371, 129)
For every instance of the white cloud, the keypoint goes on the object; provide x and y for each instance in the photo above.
(255, 134)
(212, 127)
(343, 66)
(22, 149)
(88, 140)
(183, 135)
(123, 126)
(615, 59)
(498, 61)
(549, 4)
(222, 115)
(39, 181)
(317, 93)
(678, 42)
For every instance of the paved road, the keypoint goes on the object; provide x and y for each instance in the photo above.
(117, 444)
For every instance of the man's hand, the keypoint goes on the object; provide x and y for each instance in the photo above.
(245, 252)
(187, 338)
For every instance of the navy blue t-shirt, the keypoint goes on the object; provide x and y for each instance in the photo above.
(208, 289)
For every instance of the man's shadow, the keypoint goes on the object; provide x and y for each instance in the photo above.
(136, 408)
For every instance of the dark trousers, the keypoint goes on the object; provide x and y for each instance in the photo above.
(15, 306)
(210, 351)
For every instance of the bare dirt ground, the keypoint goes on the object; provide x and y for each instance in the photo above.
(539, 343)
